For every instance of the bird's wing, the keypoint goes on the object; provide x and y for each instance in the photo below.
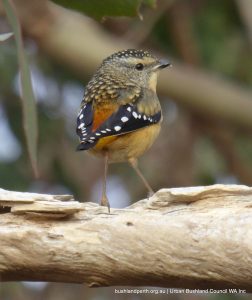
(114, 111)
(100, 101)
(126, 119)
(85, 121)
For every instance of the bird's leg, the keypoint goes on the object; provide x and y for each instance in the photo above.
(133, 163)
(104, 199)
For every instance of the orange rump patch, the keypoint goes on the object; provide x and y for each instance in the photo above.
(102, 113)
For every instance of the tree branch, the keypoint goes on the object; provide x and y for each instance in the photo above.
(184, 237)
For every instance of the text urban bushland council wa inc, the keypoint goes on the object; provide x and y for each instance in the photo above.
(178, 291)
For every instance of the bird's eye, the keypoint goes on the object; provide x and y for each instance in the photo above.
(139, 67)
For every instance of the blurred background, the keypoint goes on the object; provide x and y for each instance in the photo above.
(206, 99)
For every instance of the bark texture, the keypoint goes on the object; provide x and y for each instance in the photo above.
(195, 237)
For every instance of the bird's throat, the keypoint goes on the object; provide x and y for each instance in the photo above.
(153, 82)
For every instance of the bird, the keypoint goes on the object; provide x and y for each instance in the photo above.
(120, 114)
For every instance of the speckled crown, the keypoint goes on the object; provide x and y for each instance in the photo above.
(129, 53)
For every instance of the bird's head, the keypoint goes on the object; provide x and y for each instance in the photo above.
(137, 66)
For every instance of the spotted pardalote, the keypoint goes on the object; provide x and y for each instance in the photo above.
(120, 113)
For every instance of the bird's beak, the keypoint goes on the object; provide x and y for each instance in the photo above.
(163, 64)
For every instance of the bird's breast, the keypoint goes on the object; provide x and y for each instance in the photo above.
(130, 145)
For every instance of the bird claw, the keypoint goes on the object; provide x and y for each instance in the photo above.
(150, 194)
(105, 202)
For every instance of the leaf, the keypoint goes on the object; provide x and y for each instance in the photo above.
(5, 36)
(102, 8)
(150, 3)
(28, 100)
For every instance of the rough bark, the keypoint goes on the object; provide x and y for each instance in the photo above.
(195, 237)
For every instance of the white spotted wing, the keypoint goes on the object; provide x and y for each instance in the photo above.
(126, 119)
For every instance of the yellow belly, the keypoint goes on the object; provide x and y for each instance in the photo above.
(130, 145)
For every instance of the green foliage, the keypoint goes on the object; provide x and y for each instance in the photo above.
(103, 8)
(28, 103)
(217, 29)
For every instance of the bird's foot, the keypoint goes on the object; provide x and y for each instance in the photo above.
(105, 202)
(150, 194)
